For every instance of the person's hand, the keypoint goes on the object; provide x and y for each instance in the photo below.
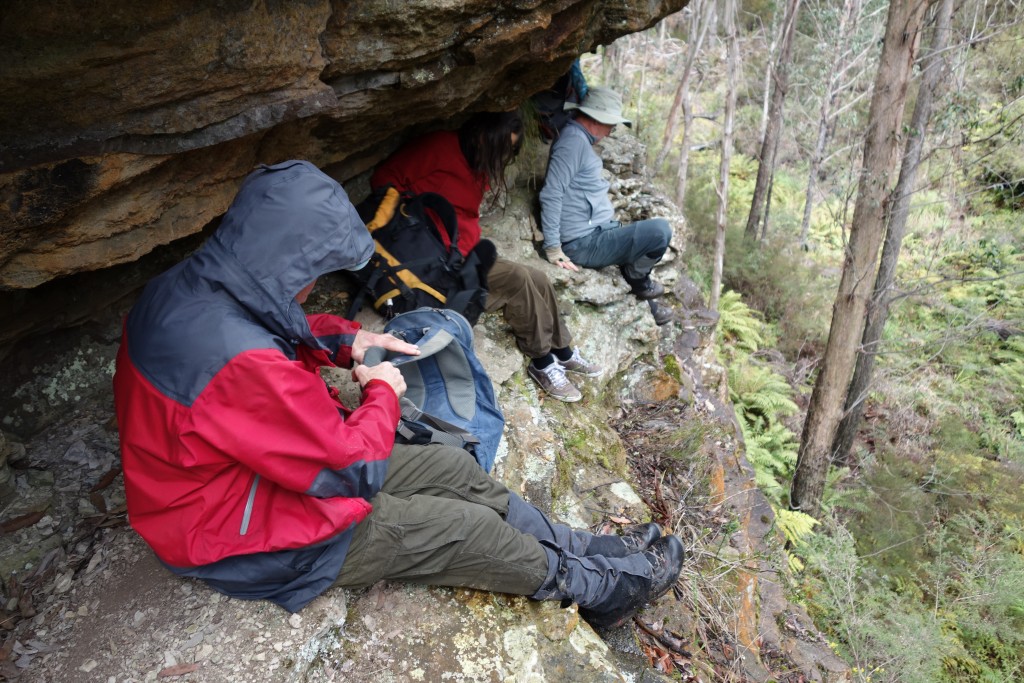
(568, 265)
(365, 340)
(385, 372)
(557, 257)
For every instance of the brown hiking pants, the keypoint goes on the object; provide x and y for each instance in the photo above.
(527, 299)
(440, 520)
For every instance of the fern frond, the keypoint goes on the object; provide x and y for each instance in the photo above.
(796, 526)
(738, 323)
(759, 392)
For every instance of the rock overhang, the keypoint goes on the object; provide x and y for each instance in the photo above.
(127, 128)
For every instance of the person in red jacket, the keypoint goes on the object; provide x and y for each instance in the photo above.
(461, 166)
(244, 470)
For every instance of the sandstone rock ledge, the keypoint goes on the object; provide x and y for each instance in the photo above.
(89, 602)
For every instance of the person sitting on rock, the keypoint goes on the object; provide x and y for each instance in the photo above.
(576, 215)
(242, 469)
(461, 166)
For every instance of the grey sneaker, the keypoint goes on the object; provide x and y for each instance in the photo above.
(552, 379)
(580, 365)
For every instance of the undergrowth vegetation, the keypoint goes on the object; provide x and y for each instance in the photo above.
(915, 569)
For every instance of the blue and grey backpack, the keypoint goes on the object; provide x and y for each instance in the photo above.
(449, 397)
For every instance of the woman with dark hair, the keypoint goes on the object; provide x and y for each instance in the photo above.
(462, 166)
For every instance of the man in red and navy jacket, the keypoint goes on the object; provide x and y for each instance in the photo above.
(242, 468)
(237, 459)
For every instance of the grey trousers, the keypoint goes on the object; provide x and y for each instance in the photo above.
(439, 520)
(634, 246)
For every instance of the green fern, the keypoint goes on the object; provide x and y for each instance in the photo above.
(797, 527)
(739, 324)
(772, 450)
(760, 394)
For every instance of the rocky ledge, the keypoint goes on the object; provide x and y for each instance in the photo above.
(84, 598)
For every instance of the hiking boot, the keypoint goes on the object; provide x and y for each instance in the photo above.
(662, 314)
(648, 289)
(552, 380)
(644, 288)
(631, 591)
(635, 539)
(639, 537)
(666, 556)
(580, 365)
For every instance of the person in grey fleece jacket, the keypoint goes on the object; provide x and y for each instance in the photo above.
(576, 214)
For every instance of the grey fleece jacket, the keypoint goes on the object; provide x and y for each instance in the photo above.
(574, 200)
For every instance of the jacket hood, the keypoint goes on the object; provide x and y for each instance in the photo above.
(289, 224)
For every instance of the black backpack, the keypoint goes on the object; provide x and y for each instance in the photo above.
(550, 103)
(411, 267)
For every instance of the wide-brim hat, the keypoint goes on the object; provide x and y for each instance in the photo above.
(604, 105)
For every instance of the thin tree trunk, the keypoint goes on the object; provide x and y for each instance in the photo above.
(899, 209)
(698, 27)
(768, 199)
(723, 169)
(769, 64)
(861, 258)
(684, 155)
(781, 72)
(613, 64)
(846, 22)
(643, 78)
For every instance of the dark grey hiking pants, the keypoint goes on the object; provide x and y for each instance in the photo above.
(439, 520)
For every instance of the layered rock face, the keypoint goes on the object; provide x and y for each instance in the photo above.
(126, 127)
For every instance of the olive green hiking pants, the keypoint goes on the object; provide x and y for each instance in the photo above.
(527, 299)
(440, 520)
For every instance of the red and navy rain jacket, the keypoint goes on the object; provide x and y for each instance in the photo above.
(241, 468)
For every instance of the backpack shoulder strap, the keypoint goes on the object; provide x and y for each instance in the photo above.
(385, 210)
(443, 209)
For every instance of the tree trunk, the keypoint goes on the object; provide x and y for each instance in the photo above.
(723, 169)
(699, 23)
(684, 155)
(860, 262)
(768, 199)
(608, 64)
(768, 144)
(899, 208)
(769, 64)
(640, 94)
(851, 8)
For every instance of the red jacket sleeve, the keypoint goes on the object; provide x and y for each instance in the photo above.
(277, 418)
(334, 332)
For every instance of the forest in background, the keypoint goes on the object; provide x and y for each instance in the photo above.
(855, 207)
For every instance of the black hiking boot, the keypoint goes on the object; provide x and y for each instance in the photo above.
(662, 314)
(640, 537)
(632, 592)
(645, 288)
(648, 289)
(634, 539)
(667, 559)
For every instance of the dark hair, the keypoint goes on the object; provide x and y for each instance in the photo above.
(486, 142)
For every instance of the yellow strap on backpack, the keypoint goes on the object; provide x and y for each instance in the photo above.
(385, 210)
